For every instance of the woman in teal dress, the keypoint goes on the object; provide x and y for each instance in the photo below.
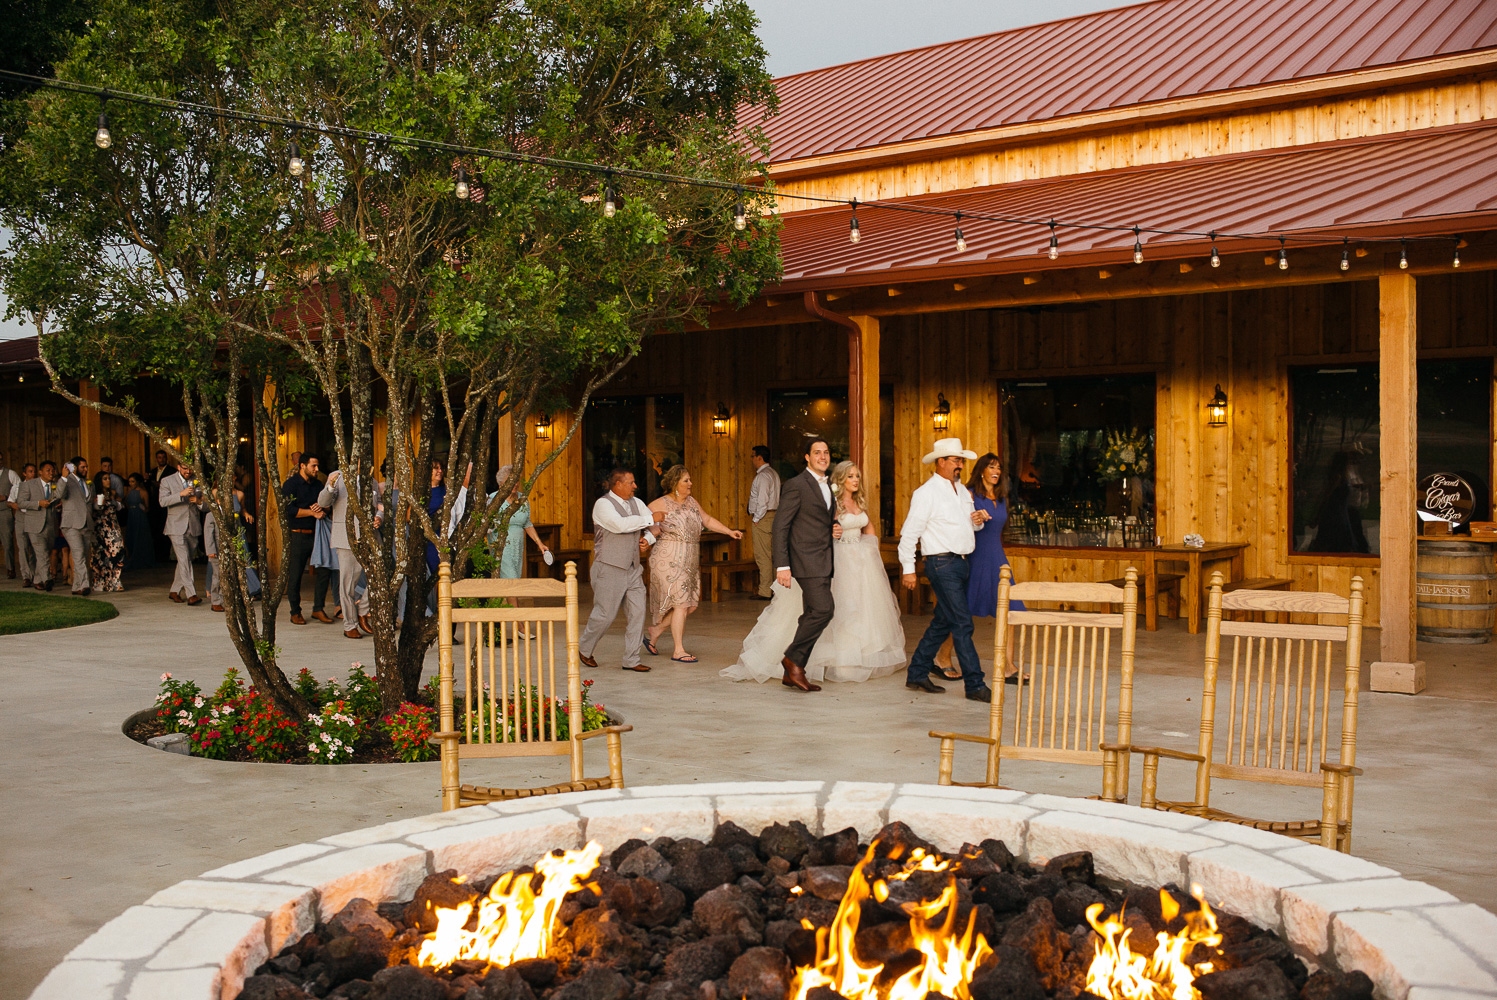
(512, 560)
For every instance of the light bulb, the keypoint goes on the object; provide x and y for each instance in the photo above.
(1457, 261)
(1283, 260)
(1346, 260)
(740, 219)
(1138, 252)
(608, 202)
(102, 138)
(961, 241)
(1216, 260)
(297, 166)
(1054, 250)
(1403, 260)
(462, 190)
(853, 235)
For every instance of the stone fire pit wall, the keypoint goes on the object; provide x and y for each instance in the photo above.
(201, 937)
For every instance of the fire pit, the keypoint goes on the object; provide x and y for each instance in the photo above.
(202, 937)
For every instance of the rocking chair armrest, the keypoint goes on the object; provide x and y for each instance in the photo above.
(963, 737)
(606, 729)
(1171, 754)
(1341, 769)
(446, 734)
(1115, 747)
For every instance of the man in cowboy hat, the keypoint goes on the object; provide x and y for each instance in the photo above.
(943, 521)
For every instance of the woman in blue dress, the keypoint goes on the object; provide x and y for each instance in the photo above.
(512, 559)
(989, 488)
(140, 548)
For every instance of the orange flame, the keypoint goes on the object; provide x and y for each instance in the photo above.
(1120, 972)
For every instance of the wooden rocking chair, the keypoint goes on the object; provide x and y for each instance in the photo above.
(1060, 714)
(512, 705)
(1280, 721)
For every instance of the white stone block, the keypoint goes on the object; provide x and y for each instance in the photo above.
(268, 862)
(857, 804)
(1243, 881)
(540, 803)
(215, 939)
(1470, 925)
(1247, 836)
(612, 823)
(730, 788)
(1132, 852)
(500, 844)
(950, 823)
(290, 911)
(1331, 864)
(402, 828)
(1399, 950)
(1433, 993)
(1096, 807)
(961, 792)
(755, 812)
(377, 872)
(136, 933)
(178, 984)
(71, 979)
(1307, 910)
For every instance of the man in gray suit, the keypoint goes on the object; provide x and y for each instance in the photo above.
(77, 522)
(805, 527)
(334, 498)
(621, 526)
(10, 553)
(177, 497)
(35, 499)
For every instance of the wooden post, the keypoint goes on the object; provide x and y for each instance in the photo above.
(1398, 667)
(448, 735)
(574, 681)
(90, 437)
(862, 391)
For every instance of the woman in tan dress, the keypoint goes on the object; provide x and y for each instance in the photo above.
(676, 561)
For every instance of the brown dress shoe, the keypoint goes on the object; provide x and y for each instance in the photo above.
(298, 620)
(353, 633)
(175, 597)
(217, 607)
(365, 624)
(322, 617)
(795, 676)
(587, 661)
(194, 601)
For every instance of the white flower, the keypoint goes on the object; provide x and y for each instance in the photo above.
(1127, 455)
(166, 677)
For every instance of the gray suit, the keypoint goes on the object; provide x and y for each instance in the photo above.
(11, 546)
(803, 542)
(179, 528)
(35, 522)
(617, 577)
(334, 499)
(77, 525)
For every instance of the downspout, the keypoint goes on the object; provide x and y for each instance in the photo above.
(854, 371)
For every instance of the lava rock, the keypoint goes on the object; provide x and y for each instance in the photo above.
(1070, 904)
(1036, 933)
(355, 956)
(776, 866)
(1262, 981)
(1043, 886)
(286, 963)
(760, 974)
(898, 842)
(883, 944)
(362, 913)
(920, 887)
(675, 850)
(647, 903)
(700, 871)
(730, 910)
(998, 852)
(972, 863)
(824, 993)
(826, 881)
(1074, 867)
(538, 972)
(745, 858)
(603, 937)
(730, 833)
(597, 982)
(354, 989)
(840, 848)
(406, 982)
(1328, 985)
(506, 984)
(266, 987)
(672, 989)
(788, 842)
(1266, 948)
(628, 847)
(1007, 975)
(645, 862)
(1004, 892)
(437, 890)
(699, 961)
(820, 912)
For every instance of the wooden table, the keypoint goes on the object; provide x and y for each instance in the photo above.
(551, 536)
(1197, 559)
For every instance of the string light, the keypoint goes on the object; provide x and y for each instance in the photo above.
(740, 218)
(1138, 248)
(102, 138)
(1345, 254)
(1216, 258)
(461, 189)
(1054, 245)
(1457, 261)
(296, 165)
(1283, 256)
(1403, 255)
(961, 241)
(610, 205)
(853, 235)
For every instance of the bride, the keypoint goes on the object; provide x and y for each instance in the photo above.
(865, 638)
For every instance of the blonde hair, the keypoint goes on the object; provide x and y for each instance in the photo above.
(671, 478)
(839, 485)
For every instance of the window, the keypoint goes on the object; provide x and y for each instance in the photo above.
(1337, 471)
(798, 415)
(646, 434)
(1080, 456)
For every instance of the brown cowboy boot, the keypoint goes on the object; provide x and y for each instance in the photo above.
(795, 676)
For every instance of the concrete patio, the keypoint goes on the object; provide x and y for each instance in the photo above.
(95, 823)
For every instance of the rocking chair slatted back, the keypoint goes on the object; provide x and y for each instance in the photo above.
(1061, 714)
(513, 693)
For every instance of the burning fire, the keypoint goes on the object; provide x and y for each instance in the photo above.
(517, 919)
(1121, 973)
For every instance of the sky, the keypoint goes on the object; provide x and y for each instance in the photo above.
(809, 34)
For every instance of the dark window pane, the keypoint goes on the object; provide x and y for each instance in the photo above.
(1455, 403)
(798, 415)
(645, 434)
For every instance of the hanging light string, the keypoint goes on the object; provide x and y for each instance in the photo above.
(105, 139)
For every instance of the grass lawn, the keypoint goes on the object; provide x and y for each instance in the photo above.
(34, 612)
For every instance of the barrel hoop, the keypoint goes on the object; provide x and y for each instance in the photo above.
(1458, 607)
(1456, 640)
(1457, 576)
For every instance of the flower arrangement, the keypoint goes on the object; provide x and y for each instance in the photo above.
(332, 733)
(178, 705)
(1126, 454)
(410, 729)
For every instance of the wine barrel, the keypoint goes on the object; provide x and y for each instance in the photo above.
(1457, 591)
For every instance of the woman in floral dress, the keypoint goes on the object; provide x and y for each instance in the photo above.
(107, 557)
(676, 561)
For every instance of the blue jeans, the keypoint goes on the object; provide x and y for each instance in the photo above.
(948, 579)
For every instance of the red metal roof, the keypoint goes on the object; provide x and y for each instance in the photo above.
(1116, 58)
(1436, 181)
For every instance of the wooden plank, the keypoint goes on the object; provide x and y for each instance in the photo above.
(1398, 416)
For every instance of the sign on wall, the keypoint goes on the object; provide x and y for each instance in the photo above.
(1446, 497)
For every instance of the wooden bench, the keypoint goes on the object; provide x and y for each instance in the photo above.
(1167, 585)
(724, 575)
(1258, 583)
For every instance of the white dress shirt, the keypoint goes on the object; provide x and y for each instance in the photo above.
(940, 520)
(607, 517)
(764, 495)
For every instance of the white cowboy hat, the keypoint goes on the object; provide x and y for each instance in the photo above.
(949, 448)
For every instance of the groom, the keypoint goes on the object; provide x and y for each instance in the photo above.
(805, 527)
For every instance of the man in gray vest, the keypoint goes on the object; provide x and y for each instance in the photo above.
(621, 525)
(178, 496)
(77, 520)
(35, 499)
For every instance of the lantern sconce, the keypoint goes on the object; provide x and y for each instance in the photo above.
(940, 417)
(1216, 410)
(543, 427)
(721, 420)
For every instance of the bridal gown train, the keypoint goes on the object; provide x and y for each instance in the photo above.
(864, 639)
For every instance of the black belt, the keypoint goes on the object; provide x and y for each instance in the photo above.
(954, 555)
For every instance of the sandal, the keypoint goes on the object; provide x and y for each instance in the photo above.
(650, 646)
(688, 658)
(950, 673)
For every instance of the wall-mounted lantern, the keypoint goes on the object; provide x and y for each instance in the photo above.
(543, 427)
(940, 417)
(1216, 410)
(721, 420)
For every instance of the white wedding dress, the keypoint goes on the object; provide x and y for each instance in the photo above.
(864, 638)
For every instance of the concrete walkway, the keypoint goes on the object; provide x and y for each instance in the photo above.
(94, 823)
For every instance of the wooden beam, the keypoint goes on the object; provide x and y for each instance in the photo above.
(90, 435)
(867, 417)
(1398, 667)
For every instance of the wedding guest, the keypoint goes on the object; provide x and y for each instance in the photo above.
(989, 488)
(178, 493)
(764, 499)
(25, 566)
(943, 521)
(106, 555)
(343, 532)
(300, 494)
(140, 549)
(107, 477)
(77, 521)
(621, 527)
(35, 499)
(10, 554)
(324, 564)
(153, 479)
(676, 560)
(512, 556)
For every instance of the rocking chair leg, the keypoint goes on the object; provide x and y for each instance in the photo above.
(948, 753)
(1149, 799)
(616, 760)
(1330, 810)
